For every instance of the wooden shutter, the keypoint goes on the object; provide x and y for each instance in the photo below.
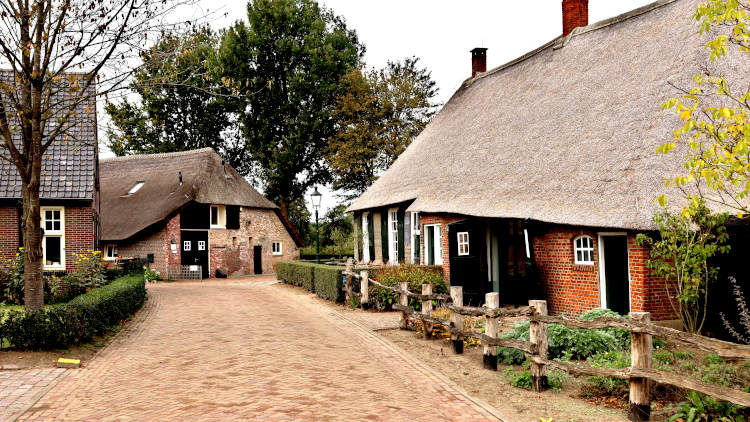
(401, 234)
(371, 233)
(233, 217)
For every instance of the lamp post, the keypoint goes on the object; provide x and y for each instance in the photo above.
(316, 196)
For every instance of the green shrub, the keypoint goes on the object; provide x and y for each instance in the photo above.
(664, 357)
(522, 379)
(328, 282)
(606, 386)
(80, 319)
(113, 273)
(703, 408)
(414, 275)
(683, 355)
(324, 280)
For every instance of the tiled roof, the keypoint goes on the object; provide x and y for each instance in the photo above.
(69, 164)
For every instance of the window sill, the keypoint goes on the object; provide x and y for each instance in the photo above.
(217, 227)
(277, 254)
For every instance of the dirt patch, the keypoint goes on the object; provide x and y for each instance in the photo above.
(466, 370)
(47, 358)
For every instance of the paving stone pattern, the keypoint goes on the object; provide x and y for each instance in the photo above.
(237, 351)
(19, 389)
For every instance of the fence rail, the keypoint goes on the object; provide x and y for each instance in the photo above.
(640, 373)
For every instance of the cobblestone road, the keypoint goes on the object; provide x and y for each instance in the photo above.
(243, 350)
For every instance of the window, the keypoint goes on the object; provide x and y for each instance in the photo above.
(415, 237)
(186, 246)
(53, 242)
(463, 243)
(135, 188)
(201, 245)
(433, 249)
(110, 252)
(276, 248)
(393, 236)
(583, 249)
(218, 217)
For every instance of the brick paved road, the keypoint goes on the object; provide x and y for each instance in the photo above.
(19, 389)
(239, 351)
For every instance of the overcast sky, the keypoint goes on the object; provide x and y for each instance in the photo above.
(441, 32)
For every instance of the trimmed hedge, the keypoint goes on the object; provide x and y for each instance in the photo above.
(324, 280)
(78, 320)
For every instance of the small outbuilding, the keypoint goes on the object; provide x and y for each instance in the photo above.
(189, 212)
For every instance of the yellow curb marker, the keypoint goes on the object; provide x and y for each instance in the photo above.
(68, 363)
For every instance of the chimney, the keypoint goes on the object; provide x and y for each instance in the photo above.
(478, 61)
(575, 13)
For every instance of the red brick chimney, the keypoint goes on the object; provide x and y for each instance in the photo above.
(575, 13)
(478, 61)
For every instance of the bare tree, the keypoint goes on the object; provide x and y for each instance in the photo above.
(61, 54)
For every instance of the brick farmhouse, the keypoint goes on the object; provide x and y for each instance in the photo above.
(69, 196)
(536, 176)
(190, 211)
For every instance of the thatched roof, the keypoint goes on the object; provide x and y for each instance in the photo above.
(205, 180)
(566, 134)
(69, 164)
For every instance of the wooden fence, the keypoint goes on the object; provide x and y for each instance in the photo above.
(641, 331)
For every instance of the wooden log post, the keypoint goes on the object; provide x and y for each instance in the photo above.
(349, 274)
(538, 337)
(640, 357)
(427, 310)
(491, 301)
(364, 289)
(403, 300)
(457, 320)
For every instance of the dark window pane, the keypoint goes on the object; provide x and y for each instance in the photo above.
(52, 250)
(214, 216)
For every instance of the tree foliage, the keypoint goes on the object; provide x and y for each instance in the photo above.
(286, 64)
(76, 47)
(715, 112)
(681, 256)
(183, 103)
(378, 116)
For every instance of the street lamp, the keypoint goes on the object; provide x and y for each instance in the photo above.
(316, 196)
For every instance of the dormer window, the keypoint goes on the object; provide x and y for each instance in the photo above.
(136, 187)
(583, 250)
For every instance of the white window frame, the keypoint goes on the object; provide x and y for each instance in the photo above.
(415, 221)
(365, 239)
(463, 244)
(201, 245)
(187, 245)
(438, 250)
(53, 233)
(107, 256)
(221, 217)
(393, 236)
(585, 250)
(273, 248)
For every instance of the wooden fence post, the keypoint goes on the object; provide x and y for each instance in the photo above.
(427, 310)
(349, 274)
(364, 289)
(457, 297)
(403, 300)
(491, 301)
(538, 337)
(640, 357)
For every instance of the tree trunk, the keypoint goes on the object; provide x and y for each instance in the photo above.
(33, 296)
(284, 208)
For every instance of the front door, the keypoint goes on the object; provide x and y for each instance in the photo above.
(258, 259)
(195, 249)
(466, 248)
(616, 281)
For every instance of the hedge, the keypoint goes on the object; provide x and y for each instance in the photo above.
(324, 280)
(78, 320)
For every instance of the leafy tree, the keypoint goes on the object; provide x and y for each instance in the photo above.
(299, 218)
(75, 46)
(378, 116)
(183, 103)
(715, 113)
(287, 63)
(681, 256)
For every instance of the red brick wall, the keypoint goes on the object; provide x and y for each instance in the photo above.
(443, 220)
(79, 232)
(8, 232)
(647, 292)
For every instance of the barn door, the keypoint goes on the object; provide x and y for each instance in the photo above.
(466, 246)
(195, 249)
